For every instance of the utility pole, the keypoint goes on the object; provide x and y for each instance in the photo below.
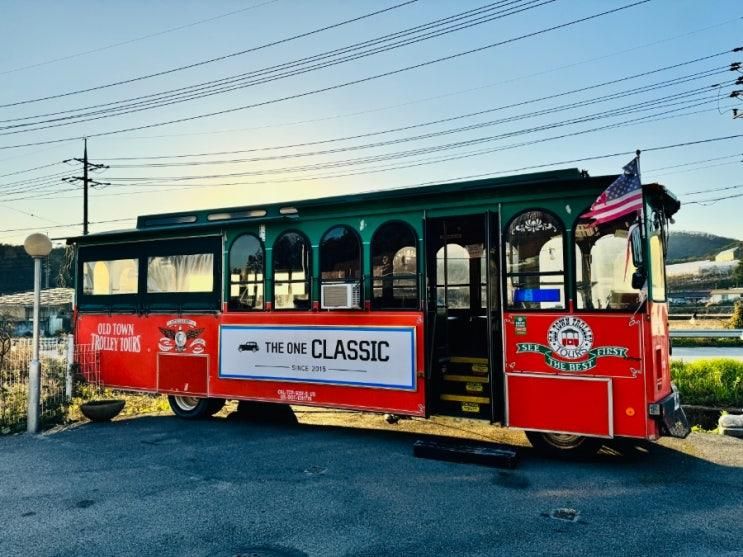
(87, 182)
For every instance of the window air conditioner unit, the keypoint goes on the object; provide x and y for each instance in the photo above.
(341, 296)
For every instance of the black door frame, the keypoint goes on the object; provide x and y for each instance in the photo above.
(494, 336)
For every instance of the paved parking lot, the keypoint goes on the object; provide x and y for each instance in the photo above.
(162, 486)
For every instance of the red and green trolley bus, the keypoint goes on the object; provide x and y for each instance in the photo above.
(495, 299)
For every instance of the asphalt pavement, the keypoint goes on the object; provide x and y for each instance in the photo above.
(162, 486)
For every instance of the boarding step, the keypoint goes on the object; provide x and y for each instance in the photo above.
(466, 384)
(464, 364)
(465, 405)
(490, 454)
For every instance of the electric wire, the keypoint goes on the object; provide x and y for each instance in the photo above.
(345, 84)
(216, 59)
(641, 106)
(552, 69)
(527, 115)
(249, 79)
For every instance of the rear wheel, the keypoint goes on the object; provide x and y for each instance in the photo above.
(194, 408)
(564, 444)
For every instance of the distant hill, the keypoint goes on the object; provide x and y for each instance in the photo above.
(17, 270)
(693, 246)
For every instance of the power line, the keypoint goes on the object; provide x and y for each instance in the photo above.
(713, 201)
(652, 104)
(70, 225)
(735, 187)
(348, 83)
(290, 69)
(216, 59)
(485, 174)
(552, 69)
(552, 110)
(136, 39)
(140, 181)
(30, 169)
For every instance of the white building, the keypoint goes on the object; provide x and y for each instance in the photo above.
(726, 295)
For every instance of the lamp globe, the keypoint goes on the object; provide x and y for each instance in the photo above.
(37, 245)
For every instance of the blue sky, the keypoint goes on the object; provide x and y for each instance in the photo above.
(639, 39)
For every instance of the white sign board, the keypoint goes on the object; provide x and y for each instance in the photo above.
(364, 356)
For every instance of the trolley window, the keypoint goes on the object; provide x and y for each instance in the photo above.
(110, 278)
(394, 267)
(657, 267)
(535, 262)
(340, 256)
(246, 273)
(604, 268)
(340, 269)
(180, 273)
(291, 271)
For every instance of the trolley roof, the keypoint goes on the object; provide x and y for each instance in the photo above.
(206, 219)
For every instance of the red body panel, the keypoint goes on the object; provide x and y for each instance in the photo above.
(608, 346)
(138, 353)
(540, 403)
(544, 354)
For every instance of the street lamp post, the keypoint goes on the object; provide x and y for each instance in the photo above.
(37, 246)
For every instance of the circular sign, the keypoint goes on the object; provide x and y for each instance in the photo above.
(570, 338)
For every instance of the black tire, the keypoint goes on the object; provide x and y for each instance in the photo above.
(194, 408)
(564, 445)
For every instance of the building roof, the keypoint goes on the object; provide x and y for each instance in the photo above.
(49, 297)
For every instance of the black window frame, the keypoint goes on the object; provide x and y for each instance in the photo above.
(155, 302)
(505, 234)
(321, 249)
(308, 275)
(230, 283)
(377, 306)
(576, 262)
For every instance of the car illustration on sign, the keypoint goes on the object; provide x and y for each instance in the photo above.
(248, 346)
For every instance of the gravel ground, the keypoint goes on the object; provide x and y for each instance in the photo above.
(161, 486)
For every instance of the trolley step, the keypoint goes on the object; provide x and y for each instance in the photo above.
(464, 365)
(490, 454)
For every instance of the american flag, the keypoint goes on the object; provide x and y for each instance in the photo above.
(623, 196)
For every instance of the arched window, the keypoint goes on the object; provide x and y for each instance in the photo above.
(535, 262)
(291, 271)
(340, 256)
(246, 273)
(394, 267)
(340, 268)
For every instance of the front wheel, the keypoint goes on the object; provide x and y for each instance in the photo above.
(564, 444)
(194, 408)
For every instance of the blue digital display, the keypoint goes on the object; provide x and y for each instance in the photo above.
(536, 295)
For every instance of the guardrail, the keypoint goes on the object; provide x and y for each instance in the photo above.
(707, 333)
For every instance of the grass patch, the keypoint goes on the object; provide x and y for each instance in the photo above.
(136, 403)
(714, 382)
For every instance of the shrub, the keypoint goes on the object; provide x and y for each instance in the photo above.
(736, 321)
(714, 382)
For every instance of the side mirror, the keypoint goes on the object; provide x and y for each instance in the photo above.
(636, 243)
(638, 279)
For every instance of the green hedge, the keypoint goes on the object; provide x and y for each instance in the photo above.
(714, 382)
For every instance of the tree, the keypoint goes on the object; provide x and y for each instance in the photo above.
(736, 321)
(738, 274)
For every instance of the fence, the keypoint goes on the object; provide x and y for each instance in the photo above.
(707, 333)
(58, 375)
